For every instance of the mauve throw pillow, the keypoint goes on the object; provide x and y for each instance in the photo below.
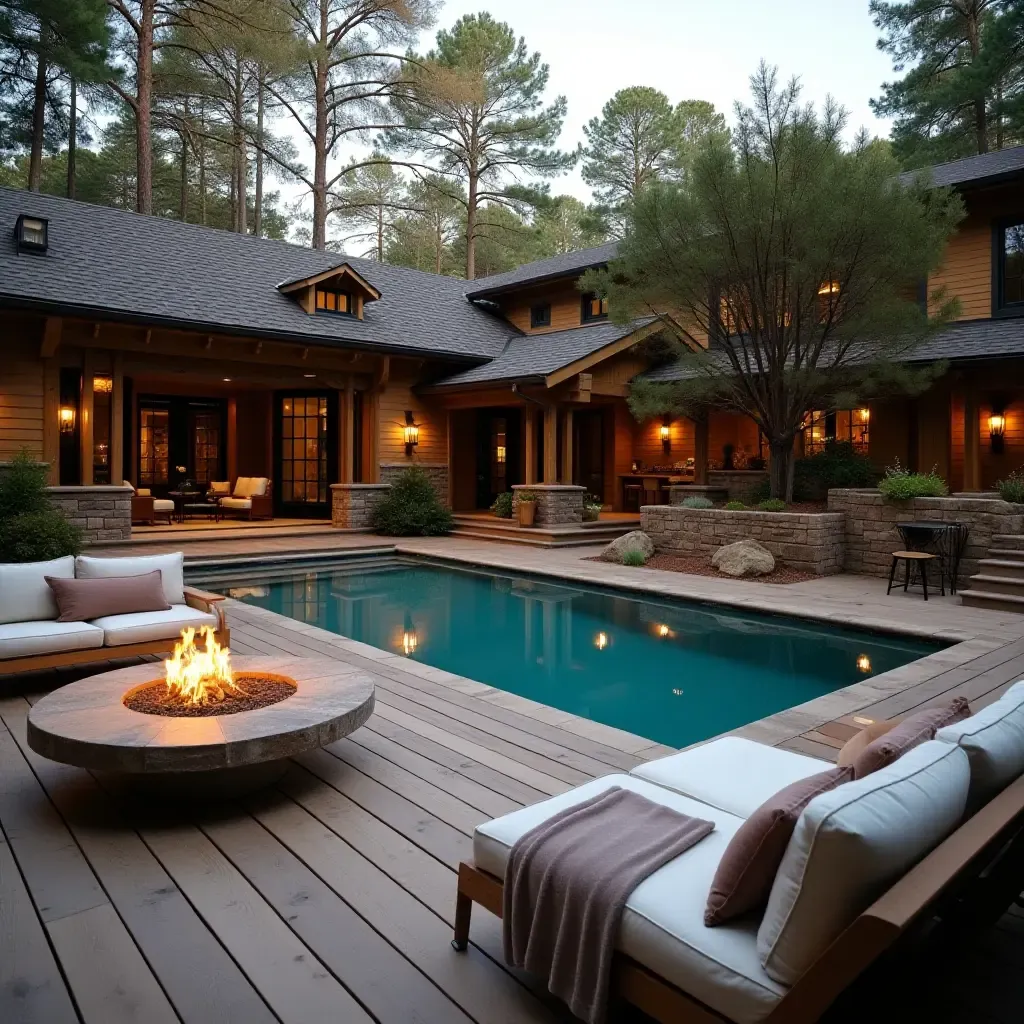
(83, 599)
(746, 872)
(860, 740)
(907, 734)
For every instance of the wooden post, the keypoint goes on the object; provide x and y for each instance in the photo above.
(117, 473)
(551, 444)
(371, 469)
(348, 433)
(972, 442)
(232, 440)
(700, 450)
(85, 415)
(529, 446)
(51, 413)
(567, 437)
(450, 450)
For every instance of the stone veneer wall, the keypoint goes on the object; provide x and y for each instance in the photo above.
(352, 505)
(437, 472)
(557, 504)
(678, 493)
(871, 535)
(806, 541)
(103, 512)
(739, 483)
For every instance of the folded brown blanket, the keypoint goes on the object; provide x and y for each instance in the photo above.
(567, 882)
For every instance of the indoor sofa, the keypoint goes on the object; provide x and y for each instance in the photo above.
(865, 861)
(32, 638)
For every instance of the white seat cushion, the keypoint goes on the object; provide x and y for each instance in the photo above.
(851, 844)
(171, 566)
(733, 774)
(241, 503)
(258, 486)
(24, 593)
(163, 505)
(993, 740)
(23, 639)
(243, 487)
(663, 923)
(140, 627)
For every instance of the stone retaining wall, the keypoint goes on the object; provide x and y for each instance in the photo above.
(103, 512)
(678, 493)
(437, 472)
(871, 534)
(739, 484)
(557, 504)
(806, 541)
(352, 505)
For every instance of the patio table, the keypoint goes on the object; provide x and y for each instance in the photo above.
(945, 539)
(180, 499)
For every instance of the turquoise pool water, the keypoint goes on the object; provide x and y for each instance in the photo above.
(673, 671)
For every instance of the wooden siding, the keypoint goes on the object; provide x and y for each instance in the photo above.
(648, 447)
(21, 397)
(431, 419)
(564, 299)
(728, 428)
(612, 375)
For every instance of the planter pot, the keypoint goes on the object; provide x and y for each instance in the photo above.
(527, 511)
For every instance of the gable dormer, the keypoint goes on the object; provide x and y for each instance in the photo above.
(339, 291)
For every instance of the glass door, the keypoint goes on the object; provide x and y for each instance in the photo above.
(306, 453)
(154, 448)
(498, 454)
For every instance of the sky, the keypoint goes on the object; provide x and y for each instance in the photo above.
(690, 49)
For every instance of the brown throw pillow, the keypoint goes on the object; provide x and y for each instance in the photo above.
(79, 600)
(907, 734)
(746, 872)
(856, 743)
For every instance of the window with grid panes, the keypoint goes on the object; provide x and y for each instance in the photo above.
(154, 447)
(304, 471)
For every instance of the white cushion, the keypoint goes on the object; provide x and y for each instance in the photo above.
(171, 566)
(243, 487)
(993, 740)
(163, 505)
(851, 844)
(222, 487)
(23, 639)
(236, 502)
(140, 627)
(144, 492)
(24, 593)
(730, 773)
(663, 923)
(258, 486)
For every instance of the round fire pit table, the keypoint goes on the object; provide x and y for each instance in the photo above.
(87, 724)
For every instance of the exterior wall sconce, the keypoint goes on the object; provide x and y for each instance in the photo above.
(31, 234)
(997, 432)
(411, 433)
(66, 419)
(665, 433)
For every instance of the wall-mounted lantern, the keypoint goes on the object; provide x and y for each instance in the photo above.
(66, 418)
(996, 431)
(411, 433)
(665, 433)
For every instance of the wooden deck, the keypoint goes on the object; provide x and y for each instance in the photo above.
(330, 898)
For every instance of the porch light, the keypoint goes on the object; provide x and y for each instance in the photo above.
(665, 433)
(66, 419)
(411, 433)
(863, 663)
(500, 453)
(601, 641)
(996, 432)
(31, 234)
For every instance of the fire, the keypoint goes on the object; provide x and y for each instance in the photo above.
(197, 676)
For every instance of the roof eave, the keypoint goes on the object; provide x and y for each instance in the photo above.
(441, 388)
(531, 282)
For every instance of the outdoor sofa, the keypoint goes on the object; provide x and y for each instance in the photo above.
(937, 832)
(250, 498)
(32, 638)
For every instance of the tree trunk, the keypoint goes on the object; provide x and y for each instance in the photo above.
(380, 233)
(438, 250)
(320, 138)
(143, 111)
(242, 223)
(780, 475)
(257, 213)
(471, 229)
(35, 160)
(183, 179)
(72, 137)
(980, 120)
(202, 164)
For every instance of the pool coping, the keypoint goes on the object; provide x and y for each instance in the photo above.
(777, 728)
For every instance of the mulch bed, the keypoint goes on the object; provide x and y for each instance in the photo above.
(260, 692)
(697, 565)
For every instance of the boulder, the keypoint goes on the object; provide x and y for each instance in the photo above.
(635, 541)
(743, 558)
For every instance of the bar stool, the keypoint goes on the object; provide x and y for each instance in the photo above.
(652, 491)
(918, 561)
(632, 496)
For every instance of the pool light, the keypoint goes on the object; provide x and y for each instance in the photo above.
(863, 663)
(601, 641)
(409, 642)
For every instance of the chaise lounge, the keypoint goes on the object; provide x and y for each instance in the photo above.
(940, 830)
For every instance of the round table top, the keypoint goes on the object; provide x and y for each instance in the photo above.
(86, 723)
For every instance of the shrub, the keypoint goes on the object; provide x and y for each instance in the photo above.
(899, 484)
(502, 506)
(838, 464)
(634, 557)
(1012, 488)
(697, 501)
(762, 492)
(412, 508)
(32, 528)
(771, 505)
(735, 506)
(592, 506)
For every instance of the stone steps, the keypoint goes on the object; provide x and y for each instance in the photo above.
(1002, 567)
(996, 602)
(997, 584)
(1000, 583)
(1012, 541)
(1006, 554)
(508, 531)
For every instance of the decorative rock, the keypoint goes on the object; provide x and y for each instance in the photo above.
(743, 558)
(635, 541)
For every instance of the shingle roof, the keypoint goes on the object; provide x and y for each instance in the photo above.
(536, 355)
(542, 270)
(973, 170)
(153, 270)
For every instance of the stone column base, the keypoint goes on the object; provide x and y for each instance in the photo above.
(352, 505)
(557, 504)
(102, 511)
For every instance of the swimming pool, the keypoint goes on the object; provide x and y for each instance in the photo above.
(674, 671)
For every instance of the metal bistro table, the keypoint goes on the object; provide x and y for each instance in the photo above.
(945, 539)
(180, 499)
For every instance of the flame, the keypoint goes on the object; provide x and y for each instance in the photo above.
(197, 676)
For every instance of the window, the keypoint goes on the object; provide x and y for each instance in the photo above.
(304, 450)
(330, 301)
(850, 425)
(205, 447)
(1009, 263)
(540, 316)
(102, 426)
(154, 447)
(593, 308)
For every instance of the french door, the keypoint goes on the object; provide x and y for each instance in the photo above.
(306, 453)
(498, 456)
(180, 439)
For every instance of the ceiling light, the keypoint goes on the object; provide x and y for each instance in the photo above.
(309, 375)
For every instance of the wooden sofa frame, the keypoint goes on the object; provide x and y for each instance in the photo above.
(197, 599)
(948, 883)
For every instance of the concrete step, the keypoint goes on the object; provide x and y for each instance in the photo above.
(536, 539)
(1003, 567)
(1008, 540)
(995, 602)
(1006, 554)
(997, 584)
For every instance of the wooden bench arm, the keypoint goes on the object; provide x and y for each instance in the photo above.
(206, 602)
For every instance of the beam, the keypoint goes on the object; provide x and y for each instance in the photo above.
(972, 441)
(85, 415)
(700, 450)
(117, 473)
(567, 439)
(551, 444)
(529, 445)
(348, 433)
(51, 412)
(51, 336)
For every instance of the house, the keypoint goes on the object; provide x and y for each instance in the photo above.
(145, 349)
